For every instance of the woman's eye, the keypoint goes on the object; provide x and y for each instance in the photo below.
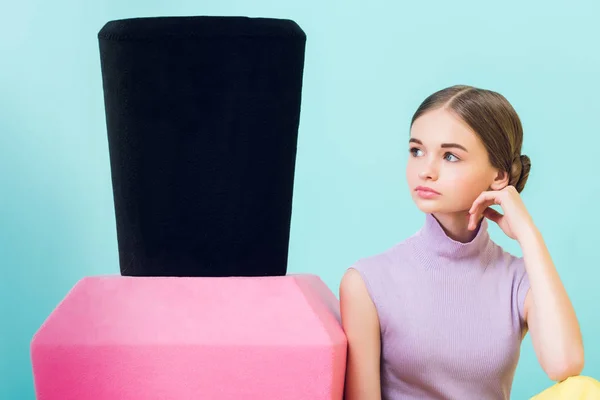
(414, 151)
(447, 155)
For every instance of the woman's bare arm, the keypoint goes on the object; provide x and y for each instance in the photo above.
(361, 325)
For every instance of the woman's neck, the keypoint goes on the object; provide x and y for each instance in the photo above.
(455, 225)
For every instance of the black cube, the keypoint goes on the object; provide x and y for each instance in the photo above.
(202, 119)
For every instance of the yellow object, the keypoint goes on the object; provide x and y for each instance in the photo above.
(573, 388)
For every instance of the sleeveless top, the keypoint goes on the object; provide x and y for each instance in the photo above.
(450, 314)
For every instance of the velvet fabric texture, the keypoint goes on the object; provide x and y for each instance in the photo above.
(171, 338)
(202, 118)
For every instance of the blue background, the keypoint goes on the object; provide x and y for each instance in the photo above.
(368, 66)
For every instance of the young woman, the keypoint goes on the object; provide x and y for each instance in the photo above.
(442, 314)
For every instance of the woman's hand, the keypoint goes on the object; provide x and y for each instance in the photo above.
(515, 222)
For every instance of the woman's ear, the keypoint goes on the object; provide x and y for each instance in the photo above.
(500, 181)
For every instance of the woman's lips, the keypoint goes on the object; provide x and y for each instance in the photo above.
(426, 192)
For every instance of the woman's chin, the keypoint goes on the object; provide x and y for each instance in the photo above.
(427, 206)
(433, 206)
(437, 207)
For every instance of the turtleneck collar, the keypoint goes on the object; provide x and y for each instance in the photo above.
(437, 243)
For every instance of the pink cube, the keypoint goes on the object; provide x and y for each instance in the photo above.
(145, 338)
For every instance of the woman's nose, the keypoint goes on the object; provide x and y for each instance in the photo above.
(428, 171)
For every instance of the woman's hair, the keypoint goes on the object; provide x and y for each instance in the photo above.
(493, 119)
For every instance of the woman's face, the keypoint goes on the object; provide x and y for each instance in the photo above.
(448, 157)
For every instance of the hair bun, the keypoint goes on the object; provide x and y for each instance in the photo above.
(525, 162)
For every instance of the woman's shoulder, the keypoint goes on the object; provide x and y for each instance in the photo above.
(507, 257)
(382, 259)
(509, 263)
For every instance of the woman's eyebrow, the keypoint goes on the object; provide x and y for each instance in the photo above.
(448, 145)
(443, 146)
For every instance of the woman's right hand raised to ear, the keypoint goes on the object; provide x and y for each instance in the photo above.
(361, 326)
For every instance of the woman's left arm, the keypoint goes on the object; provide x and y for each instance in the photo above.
(550, 316)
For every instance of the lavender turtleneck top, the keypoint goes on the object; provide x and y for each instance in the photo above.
(450, 314)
